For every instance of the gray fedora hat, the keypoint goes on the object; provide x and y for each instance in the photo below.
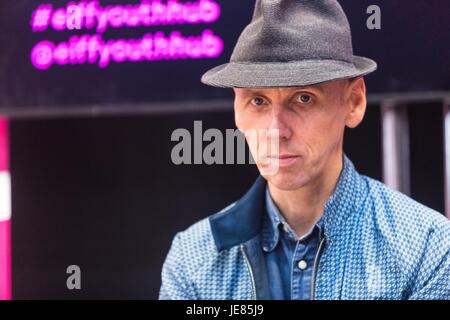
(291, 43)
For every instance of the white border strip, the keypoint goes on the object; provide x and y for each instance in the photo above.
(5, 196)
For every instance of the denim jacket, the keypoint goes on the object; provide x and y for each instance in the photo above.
(377, 244)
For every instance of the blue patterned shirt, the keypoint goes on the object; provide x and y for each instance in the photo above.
(289, 260)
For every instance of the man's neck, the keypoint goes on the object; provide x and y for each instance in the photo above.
(303, 207)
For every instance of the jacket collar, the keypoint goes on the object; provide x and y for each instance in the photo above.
(243, 220)
(347, 200)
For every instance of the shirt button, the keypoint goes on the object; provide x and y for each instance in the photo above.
(302, 264)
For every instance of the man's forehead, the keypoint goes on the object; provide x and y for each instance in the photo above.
(320, 87)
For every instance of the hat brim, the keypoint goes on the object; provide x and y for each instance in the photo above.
(285, 74)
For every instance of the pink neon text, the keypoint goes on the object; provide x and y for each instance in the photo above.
(151, 47)
(91, 15)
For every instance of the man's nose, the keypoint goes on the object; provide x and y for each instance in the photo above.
(279, 121)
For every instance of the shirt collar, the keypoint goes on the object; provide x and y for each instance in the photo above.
(274, 220)
(271, 223)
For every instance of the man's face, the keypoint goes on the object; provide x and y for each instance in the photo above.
(310, 122)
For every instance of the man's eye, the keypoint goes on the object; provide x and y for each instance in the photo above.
(304, 98)
(258, 101)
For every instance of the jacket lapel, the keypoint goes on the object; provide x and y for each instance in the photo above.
(242, 221)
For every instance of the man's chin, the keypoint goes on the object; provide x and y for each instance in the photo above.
(286, 181)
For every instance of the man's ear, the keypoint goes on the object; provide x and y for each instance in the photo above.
(356, 101)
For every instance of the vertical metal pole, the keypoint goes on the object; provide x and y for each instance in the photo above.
(5, 213)
(395, 139)
(447, 157)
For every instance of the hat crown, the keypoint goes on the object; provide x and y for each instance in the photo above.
(295, 30)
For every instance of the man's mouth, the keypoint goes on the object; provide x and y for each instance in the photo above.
(284, 160)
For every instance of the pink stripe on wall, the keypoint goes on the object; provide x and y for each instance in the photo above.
(5, 226)
(5, 260)
(4, 165)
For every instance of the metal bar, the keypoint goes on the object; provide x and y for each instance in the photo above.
(408, 97)
(162, 108)
(157, 108)
(447, 156)
(395, 140)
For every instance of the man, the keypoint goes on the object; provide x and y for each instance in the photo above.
(314, 228)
